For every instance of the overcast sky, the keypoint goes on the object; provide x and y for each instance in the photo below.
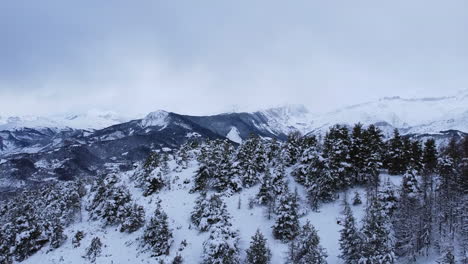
(203, 57)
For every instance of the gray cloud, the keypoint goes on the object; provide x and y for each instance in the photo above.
(205, 56)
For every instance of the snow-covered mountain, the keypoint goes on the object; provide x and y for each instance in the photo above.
(83, 144)
(411, 116)
(93, 119)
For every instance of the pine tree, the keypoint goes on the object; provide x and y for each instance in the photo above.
(395, 158)
(416, 161)
(29, 234)
(279, 180)
(251, 160)
(406, 221)
(373, 149)
(350, 241)
(291, 149)
(310, 153)
(151, 177)
(357, 199)
(94, 250)
(109, 201)
(429, 158)
(322, 186)
(222, 246)
(448, 258)
(336, 149)
(209, 211)
(57, 237)
(388, 198)
(266, 194)
(377, 244)
(286, 226)
(178, 259)
(157, 237)
(76, 241)
(258, 252)
(306, 249)
(133, 218)
(201, 179)
(357, 152)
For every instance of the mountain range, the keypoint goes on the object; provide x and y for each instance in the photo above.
(33, 149)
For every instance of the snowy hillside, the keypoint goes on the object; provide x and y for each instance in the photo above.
(178, 203)
(202, 203)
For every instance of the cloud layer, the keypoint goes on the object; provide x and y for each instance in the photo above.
(203, 57)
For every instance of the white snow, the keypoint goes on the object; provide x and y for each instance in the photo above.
(178, 203)
(156, 119)
(234, 136)
(415, 115)
(90, 120)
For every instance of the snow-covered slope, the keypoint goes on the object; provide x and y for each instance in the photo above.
(178, 202)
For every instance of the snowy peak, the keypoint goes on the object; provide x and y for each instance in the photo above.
(91, 120)
(406, 114)
(288, 118)
(158, 118)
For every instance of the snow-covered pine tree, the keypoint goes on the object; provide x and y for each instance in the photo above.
(387, 198)
(133, 218)
(208, 211)
(266, 193)
(109, 201)
(350, 240)
(377, 244)
(273, 151)
(30, 236)
(177, 259)
(357, 153)
(221, 247)
(279, 180)
(291, 149)
(429, 157)
(395, 156)
(447, 258)
(258, 252)
(322, 185)
(445, 201)
(406, 224)
(202, 179)
(5, 245)
(309, 155)
(157, 236)
(94, 250)
(151, 177)
(373, 148)
(357, 199)
(184, 155)
(250, 160)
(415, 161)
(286, 226)
(76, 240)
(306, 248)
(336, 149)
(57, 237)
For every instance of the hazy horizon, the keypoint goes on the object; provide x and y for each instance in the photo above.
(210, 57)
